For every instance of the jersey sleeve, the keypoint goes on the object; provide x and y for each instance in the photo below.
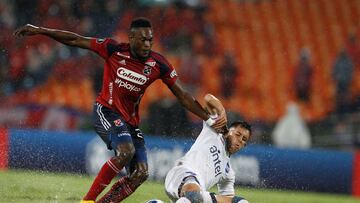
(226, 185)
(102, 46)
(168, 75)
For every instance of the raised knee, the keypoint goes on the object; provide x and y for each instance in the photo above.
(125, 152)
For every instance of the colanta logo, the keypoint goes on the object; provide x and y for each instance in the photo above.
(131, 76)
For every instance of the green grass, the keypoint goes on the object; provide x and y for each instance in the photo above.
(33, 186)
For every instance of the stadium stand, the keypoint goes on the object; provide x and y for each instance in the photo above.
(264, 36)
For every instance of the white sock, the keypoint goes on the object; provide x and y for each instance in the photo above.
(206, 196)
(243, 201)
(183, 200)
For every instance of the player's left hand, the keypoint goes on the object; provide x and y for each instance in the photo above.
(26, 30)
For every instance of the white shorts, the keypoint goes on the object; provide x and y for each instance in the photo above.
(174, 179)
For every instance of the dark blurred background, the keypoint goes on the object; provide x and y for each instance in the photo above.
(290, 68)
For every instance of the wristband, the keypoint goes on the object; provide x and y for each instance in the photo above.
(210, 121)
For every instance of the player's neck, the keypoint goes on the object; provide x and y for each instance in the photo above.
(225, 142)
(134, 55)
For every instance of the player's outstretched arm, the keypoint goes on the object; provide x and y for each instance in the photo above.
(65, 37)
(193, 106)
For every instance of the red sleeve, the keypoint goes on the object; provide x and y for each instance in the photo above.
(100, 46)
(170, 76)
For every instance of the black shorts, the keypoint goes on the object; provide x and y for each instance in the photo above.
(110, 126)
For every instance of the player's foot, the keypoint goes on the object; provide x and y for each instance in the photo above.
(87, 201)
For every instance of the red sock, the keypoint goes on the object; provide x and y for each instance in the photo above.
(119, 191)
(104, 177)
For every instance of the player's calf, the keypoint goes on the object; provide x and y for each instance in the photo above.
(194, 196)
(197, 197)
(138, 177)
(119, 191)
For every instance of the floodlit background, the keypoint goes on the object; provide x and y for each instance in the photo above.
(289, 67)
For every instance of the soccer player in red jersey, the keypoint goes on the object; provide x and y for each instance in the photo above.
(129, 69)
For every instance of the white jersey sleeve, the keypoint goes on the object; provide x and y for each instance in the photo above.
(226, 185)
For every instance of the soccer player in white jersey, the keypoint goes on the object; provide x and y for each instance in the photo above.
(208, 163)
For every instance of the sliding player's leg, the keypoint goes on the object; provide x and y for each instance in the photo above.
(182, 185)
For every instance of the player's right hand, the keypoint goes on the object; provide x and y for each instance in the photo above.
(220, 123)
(26, 30)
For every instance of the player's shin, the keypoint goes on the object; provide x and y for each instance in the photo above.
(199, 197)
(108, 171)
(118, 192)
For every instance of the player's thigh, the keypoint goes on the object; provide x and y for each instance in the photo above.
(139, 162)
(112, 129)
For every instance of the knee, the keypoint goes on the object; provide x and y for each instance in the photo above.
(125, 152)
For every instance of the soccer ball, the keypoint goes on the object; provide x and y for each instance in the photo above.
(155, 201)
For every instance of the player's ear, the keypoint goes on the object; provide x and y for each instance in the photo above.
(131, 34)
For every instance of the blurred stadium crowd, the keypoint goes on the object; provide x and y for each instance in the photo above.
(258, 56)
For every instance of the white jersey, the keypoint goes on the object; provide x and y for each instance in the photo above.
(210, 161)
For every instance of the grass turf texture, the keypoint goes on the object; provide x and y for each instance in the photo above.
(34, 186)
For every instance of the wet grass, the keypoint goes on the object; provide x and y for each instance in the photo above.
(34, 186)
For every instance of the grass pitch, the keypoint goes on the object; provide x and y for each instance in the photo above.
(34, 186)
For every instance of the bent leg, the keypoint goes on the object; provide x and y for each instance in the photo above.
(191, 191)
(116, 135)
(110, 169)
(138, 170)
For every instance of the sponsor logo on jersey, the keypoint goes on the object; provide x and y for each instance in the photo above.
(123, 134)
(123, 55)
(139, 133)
(118, 123)
(122, 62)
(227, 168)
(151, 63)
(147, 70)
(173, 74)
(100, 40)
(215, 154)
(131, 76)
(127, 85)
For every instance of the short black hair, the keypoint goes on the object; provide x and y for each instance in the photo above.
(242, 124)
(140, 22)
